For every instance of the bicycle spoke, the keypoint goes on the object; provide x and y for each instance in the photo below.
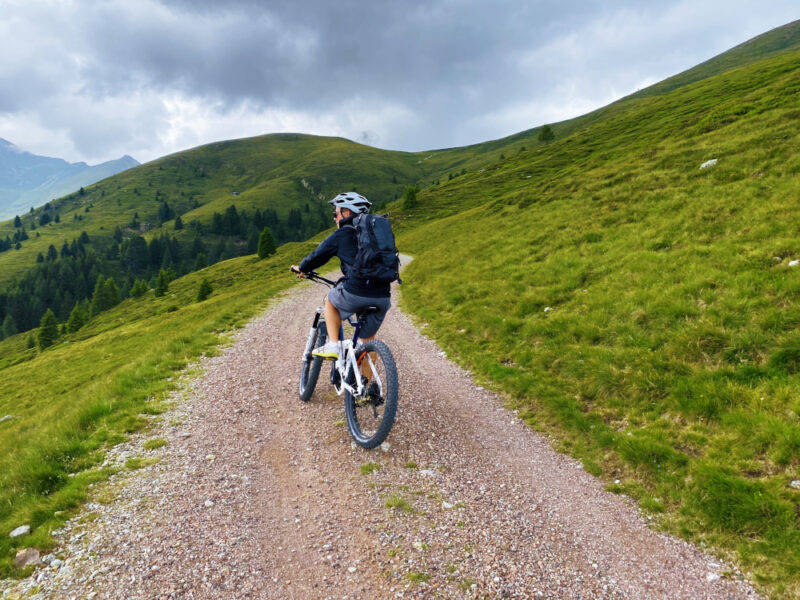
(370, 416)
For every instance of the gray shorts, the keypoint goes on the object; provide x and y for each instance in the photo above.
(347, 304)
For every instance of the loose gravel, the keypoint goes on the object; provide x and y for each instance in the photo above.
(258, 495)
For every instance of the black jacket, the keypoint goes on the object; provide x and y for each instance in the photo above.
(342, 243)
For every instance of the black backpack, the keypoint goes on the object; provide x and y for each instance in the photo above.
(377, 258)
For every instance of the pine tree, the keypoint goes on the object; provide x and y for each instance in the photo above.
(546, 135)
(110, 293)
(266, 243)
(410, 197)
(178, 223)
(200, 262)
(9, 326)
(17, 222)
(204, 291)
(77, 318)
(48, 330)
(99, 301)
(140, 288)
(162, 284)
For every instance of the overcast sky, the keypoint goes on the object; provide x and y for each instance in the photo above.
(95, 79)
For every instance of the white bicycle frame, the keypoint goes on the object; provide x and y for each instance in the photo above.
(347, 364)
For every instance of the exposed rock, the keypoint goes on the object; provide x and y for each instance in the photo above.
(709, 163)
(26, 557)
(20, 531)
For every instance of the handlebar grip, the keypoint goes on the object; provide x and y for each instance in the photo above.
(293, 270)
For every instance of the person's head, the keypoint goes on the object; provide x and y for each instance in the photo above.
(349, 204)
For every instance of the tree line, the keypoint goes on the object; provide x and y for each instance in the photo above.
(65, 281)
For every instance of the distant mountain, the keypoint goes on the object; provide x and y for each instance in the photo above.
(28, 180)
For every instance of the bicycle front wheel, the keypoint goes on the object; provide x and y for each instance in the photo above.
(309, 370)
(370, 417)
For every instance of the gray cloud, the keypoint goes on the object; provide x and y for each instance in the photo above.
(113, 77)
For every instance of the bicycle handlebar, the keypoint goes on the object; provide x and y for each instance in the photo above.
(314, 276)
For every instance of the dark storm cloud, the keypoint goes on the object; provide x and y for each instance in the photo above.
(113, 76)
(308, 53)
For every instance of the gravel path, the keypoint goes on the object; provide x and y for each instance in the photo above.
(257, 495)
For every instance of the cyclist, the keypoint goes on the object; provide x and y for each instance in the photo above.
(351, 293)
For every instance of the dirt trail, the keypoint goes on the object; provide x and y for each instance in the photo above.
(258, 495)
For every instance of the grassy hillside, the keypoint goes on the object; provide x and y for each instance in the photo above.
(278, 172)
(640, 309)
(777, 41)
(72, 401)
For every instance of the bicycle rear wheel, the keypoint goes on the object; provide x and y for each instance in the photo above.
(370, 417)
(309, 370)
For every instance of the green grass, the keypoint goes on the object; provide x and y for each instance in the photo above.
(399, 502)
(154, 444)
(640, 309)
(74, 400)
(418, 577)
(369, 468)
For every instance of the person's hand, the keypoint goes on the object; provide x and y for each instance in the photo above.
(300, 274)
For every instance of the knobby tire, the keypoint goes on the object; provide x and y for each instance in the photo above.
(367, 429)
(309, 370)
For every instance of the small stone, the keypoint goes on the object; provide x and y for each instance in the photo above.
(20, 531)
(428, 472)
(26, 557)
(351, 569)
(446, 505)
(209, 503)
(6, 418)
(712, 577)
(709, 163)
(547, 309)
(794, 263)
(385, 446)
(210, 457)
(795, 484)
(56, 563)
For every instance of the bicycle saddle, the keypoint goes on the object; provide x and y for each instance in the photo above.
(368, 310)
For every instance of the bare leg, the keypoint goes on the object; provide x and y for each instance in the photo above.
(332, 321)
(365, 370)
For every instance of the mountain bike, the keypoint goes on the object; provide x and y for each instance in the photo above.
(365, 373)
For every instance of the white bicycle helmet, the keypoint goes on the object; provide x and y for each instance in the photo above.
(352, 201)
